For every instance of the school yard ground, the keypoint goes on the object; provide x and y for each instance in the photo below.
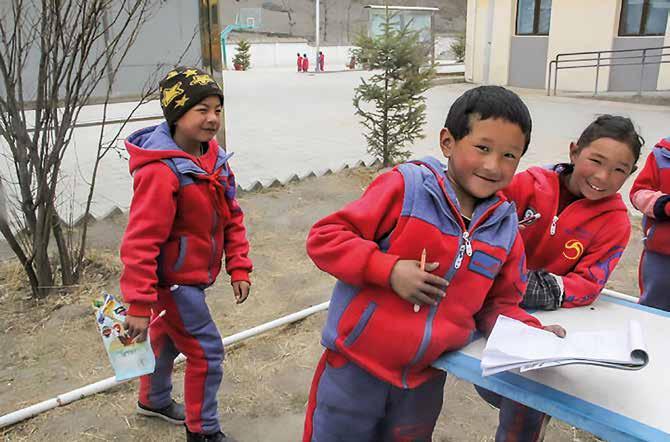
(53, 346)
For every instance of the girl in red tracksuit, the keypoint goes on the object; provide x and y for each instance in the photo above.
(578, 238)
(305, 63)
(388, 319)
(651, 196)
(183, 218)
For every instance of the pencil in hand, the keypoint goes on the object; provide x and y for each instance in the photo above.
(153, 321)
(422, 266)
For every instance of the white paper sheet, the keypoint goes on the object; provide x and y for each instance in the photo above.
(513, 344)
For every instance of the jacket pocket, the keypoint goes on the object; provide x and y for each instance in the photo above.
(181, 256)
(360, 325)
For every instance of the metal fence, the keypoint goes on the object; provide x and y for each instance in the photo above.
(601, 59)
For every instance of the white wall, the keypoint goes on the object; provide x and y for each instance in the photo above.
(664, 70)
(473, 52)
(501, 43)
(480, 41)
(579, 26)
(269, 55)
(476, 39)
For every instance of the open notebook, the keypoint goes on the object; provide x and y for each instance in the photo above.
(513, 344)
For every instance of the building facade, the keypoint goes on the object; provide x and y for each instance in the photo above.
(512, 42)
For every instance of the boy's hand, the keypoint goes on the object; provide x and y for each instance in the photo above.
(241, 291)
(555, 329)
(136, 327)
(416, 286)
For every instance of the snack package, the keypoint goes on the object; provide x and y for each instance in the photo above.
(129, 359)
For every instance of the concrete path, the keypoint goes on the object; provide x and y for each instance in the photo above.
(281, 123)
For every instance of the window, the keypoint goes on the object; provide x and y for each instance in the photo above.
(643, 17)
(533, 17)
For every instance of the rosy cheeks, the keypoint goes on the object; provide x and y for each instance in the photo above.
(595, 183)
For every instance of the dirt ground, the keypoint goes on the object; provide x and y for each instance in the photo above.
(52, 346)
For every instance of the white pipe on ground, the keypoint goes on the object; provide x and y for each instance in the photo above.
(106, 384)
(619, 295)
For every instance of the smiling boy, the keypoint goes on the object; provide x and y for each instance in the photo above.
(375, 380)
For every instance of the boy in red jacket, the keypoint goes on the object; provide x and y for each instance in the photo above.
(183, 217)
(651, 196)
(577, 241)
(299, 62)
(375, 380)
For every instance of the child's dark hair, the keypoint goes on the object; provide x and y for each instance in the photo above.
(486, 102)
(614, 127)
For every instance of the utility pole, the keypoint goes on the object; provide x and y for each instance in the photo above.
(211, 52)
(316, 65)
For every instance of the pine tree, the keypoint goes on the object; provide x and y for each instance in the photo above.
(458, 47)
(391, 103)
(242, 56)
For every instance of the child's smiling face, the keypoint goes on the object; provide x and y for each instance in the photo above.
(484, 161)
(601, 168)
(201, 122)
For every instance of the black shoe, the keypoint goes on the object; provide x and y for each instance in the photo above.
(173, 413)
(214, 437)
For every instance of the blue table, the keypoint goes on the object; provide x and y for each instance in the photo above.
(616, 405)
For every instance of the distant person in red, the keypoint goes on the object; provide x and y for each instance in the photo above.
(305, 63)
(299, 62)
(321, 61)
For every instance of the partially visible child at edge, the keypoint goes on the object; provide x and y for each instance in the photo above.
(577, 241)
(651, 196)
(375, 380)
(183, 217)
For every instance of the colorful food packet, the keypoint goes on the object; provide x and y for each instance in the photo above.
(129, 359)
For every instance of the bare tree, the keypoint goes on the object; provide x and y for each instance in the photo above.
(325, 19)
(3, 204)
(289, 15)
(75, 46)
(284, 8)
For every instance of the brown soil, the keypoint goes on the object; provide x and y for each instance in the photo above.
(52, 346)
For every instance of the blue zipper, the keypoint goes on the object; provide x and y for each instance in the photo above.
(464, 248)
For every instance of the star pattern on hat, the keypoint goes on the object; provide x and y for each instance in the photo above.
(190, 72)
(181, 102)
(171, 74)
(201, 80)
(171, 93)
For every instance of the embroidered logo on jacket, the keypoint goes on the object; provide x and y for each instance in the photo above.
(573, 249)
(484, 264)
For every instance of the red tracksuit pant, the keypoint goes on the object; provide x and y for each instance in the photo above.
(187, 328)
(346, 403)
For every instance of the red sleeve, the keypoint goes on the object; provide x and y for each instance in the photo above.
(235, 243)
(152, 212)
(507, 292)
(344, 244)
(647, 179)
(645, 192)
(515, 191)
(583, 285)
